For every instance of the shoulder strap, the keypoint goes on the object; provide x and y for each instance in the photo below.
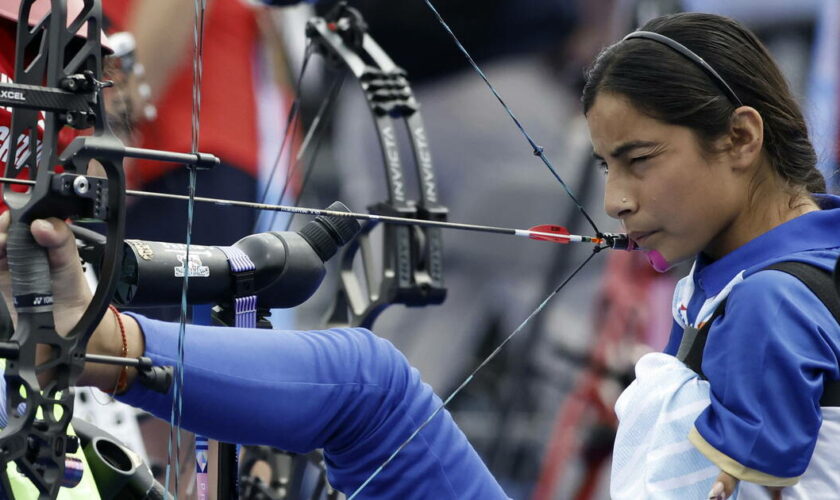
(693, 342)
(818, 280)
(821, 284)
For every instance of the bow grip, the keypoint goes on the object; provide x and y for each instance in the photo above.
(30, 270)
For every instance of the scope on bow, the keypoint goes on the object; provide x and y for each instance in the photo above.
(288, 266)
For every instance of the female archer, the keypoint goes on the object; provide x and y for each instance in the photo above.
(706, 153)
(707, 156)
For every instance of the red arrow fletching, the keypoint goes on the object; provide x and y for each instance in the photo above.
(550, 232)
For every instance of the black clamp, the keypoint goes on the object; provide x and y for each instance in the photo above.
(618, 241)
(86, 195)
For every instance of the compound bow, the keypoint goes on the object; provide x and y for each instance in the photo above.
(50, 54)
(58, 71)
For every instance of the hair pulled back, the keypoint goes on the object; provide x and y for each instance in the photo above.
(667, 86)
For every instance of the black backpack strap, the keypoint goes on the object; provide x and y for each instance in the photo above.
(693, 342)
(821, 284)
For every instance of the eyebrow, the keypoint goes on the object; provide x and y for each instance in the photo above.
(627, 147)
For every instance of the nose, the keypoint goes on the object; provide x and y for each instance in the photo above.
(618, 200)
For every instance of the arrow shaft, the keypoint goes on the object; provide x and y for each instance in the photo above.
(354, 215)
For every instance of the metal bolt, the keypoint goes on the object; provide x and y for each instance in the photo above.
(81, 185)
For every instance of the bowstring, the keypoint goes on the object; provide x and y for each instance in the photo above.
(540, 153)
(292, 121)
(198, 37)
(316, 134)
(200, 8)
(472, 375)
(537, 150)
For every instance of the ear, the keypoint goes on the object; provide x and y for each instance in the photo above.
(746, 137)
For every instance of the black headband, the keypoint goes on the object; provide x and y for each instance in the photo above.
(685, 51)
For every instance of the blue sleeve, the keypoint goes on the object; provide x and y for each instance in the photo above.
(766, 360)
(343, 390)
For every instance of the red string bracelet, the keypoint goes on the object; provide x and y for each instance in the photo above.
(122, 381)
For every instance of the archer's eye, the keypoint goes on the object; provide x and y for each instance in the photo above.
(640, 159)
(602, 166)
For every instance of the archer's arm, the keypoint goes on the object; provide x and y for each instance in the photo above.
(344, 390)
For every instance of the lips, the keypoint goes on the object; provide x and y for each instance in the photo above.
(640, 236)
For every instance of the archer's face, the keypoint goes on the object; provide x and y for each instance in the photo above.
(668, 195)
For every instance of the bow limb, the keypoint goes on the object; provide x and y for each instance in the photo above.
(58, 71)
(412, 258)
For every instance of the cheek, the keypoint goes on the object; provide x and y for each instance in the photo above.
(682, 185)
(668, 196)
(677, 202)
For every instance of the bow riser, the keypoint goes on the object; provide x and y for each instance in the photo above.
(51, 53)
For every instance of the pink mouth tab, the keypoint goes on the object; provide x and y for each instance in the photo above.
(657, 261)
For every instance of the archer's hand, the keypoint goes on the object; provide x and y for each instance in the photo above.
(72, 295)
(70, 291)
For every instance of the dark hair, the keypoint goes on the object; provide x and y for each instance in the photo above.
(667, 86)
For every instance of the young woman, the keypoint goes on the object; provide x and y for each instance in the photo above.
(707, 155)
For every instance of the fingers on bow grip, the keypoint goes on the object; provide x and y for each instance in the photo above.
(30, 270)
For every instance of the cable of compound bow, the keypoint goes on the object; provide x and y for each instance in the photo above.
(411, 257)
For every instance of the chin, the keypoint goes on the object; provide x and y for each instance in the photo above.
(658, 261)
(679, 257)
(673, 256)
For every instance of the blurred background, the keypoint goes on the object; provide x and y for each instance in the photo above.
(541, 413)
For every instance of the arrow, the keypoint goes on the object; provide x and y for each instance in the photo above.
(556, 234)
(543, 232)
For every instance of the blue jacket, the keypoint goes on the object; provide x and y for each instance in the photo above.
(766, 359)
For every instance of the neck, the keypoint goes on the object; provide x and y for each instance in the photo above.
(770, 204)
